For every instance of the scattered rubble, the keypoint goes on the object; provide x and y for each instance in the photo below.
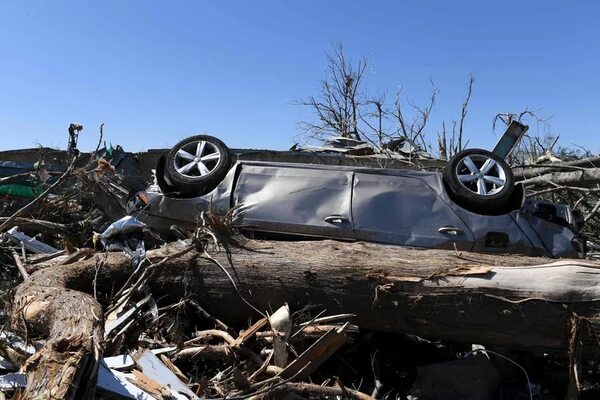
(100, 305)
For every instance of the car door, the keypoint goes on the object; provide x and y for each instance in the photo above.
(290, 199)
(404, 210)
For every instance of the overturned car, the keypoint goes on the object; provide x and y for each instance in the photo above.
(473, 205)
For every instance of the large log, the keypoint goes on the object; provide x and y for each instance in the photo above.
(532, 171)
(507, 300)
(513, 301)
(588, 177)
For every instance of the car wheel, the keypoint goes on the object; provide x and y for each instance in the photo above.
(479, 180)
(196, 165)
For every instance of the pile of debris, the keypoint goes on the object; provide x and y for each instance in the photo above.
(146, 350)
(99, 305)
(396, 148)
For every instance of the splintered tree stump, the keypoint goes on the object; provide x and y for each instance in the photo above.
(503, 300)
(72, 324)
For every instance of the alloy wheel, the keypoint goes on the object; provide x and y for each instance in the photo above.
(481, 174)
(196, 159)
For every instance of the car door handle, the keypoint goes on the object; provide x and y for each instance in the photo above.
(451, 230)
(336, 219)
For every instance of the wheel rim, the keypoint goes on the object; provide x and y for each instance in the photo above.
(197, 158)
(481, 175)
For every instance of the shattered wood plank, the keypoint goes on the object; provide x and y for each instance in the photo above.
(80, 254)
(124, 361)
(114, 383)
(308, 390)
(169, 364)
(281, 325)
(329, 318)
(36, 259)
(316, 354)
(20, 265)
(31, 244)
(320, 329)
(248, 333)
(208, 352)
(211, 333)
(242, 349)
(154, 368)
(149, 385)
(113, 320)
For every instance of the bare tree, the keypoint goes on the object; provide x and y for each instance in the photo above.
(414, 129)
(338, 105)
(463, 113)
(448, 146)
(375, 119)
(343, 108)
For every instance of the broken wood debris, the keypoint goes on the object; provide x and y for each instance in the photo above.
(159, 321)
(30, 243)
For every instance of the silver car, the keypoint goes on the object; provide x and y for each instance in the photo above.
(474, 205)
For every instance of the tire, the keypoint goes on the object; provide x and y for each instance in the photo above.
(196, 165)
(479, 180)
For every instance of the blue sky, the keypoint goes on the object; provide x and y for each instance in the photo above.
(155, 72)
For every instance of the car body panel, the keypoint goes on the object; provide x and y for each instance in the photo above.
(295, 200)
(163, 211)
(404, 210)
(519, 236)
(557, 239)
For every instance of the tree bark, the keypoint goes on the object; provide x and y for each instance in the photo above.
(71, 322)
(581, 178)
(460, 297)
(471, 298)
(542, 169)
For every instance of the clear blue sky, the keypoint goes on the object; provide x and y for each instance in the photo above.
(155, 72)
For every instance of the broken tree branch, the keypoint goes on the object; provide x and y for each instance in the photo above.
(581, 178)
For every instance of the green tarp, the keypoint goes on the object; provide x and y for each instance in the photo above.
(19, 190)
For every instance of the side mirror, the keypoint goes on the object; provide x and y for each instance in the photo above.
(545, 211)
(165, 186)
(578, 217)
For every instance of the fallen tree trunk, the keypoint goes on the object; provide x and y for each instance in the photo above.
(461, 297)
(588, 177)
(534, 170)
(471, 298)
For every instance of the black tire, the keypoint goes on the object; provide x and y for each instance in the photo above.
(161, 177)
(193, 176)
(481, 191)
